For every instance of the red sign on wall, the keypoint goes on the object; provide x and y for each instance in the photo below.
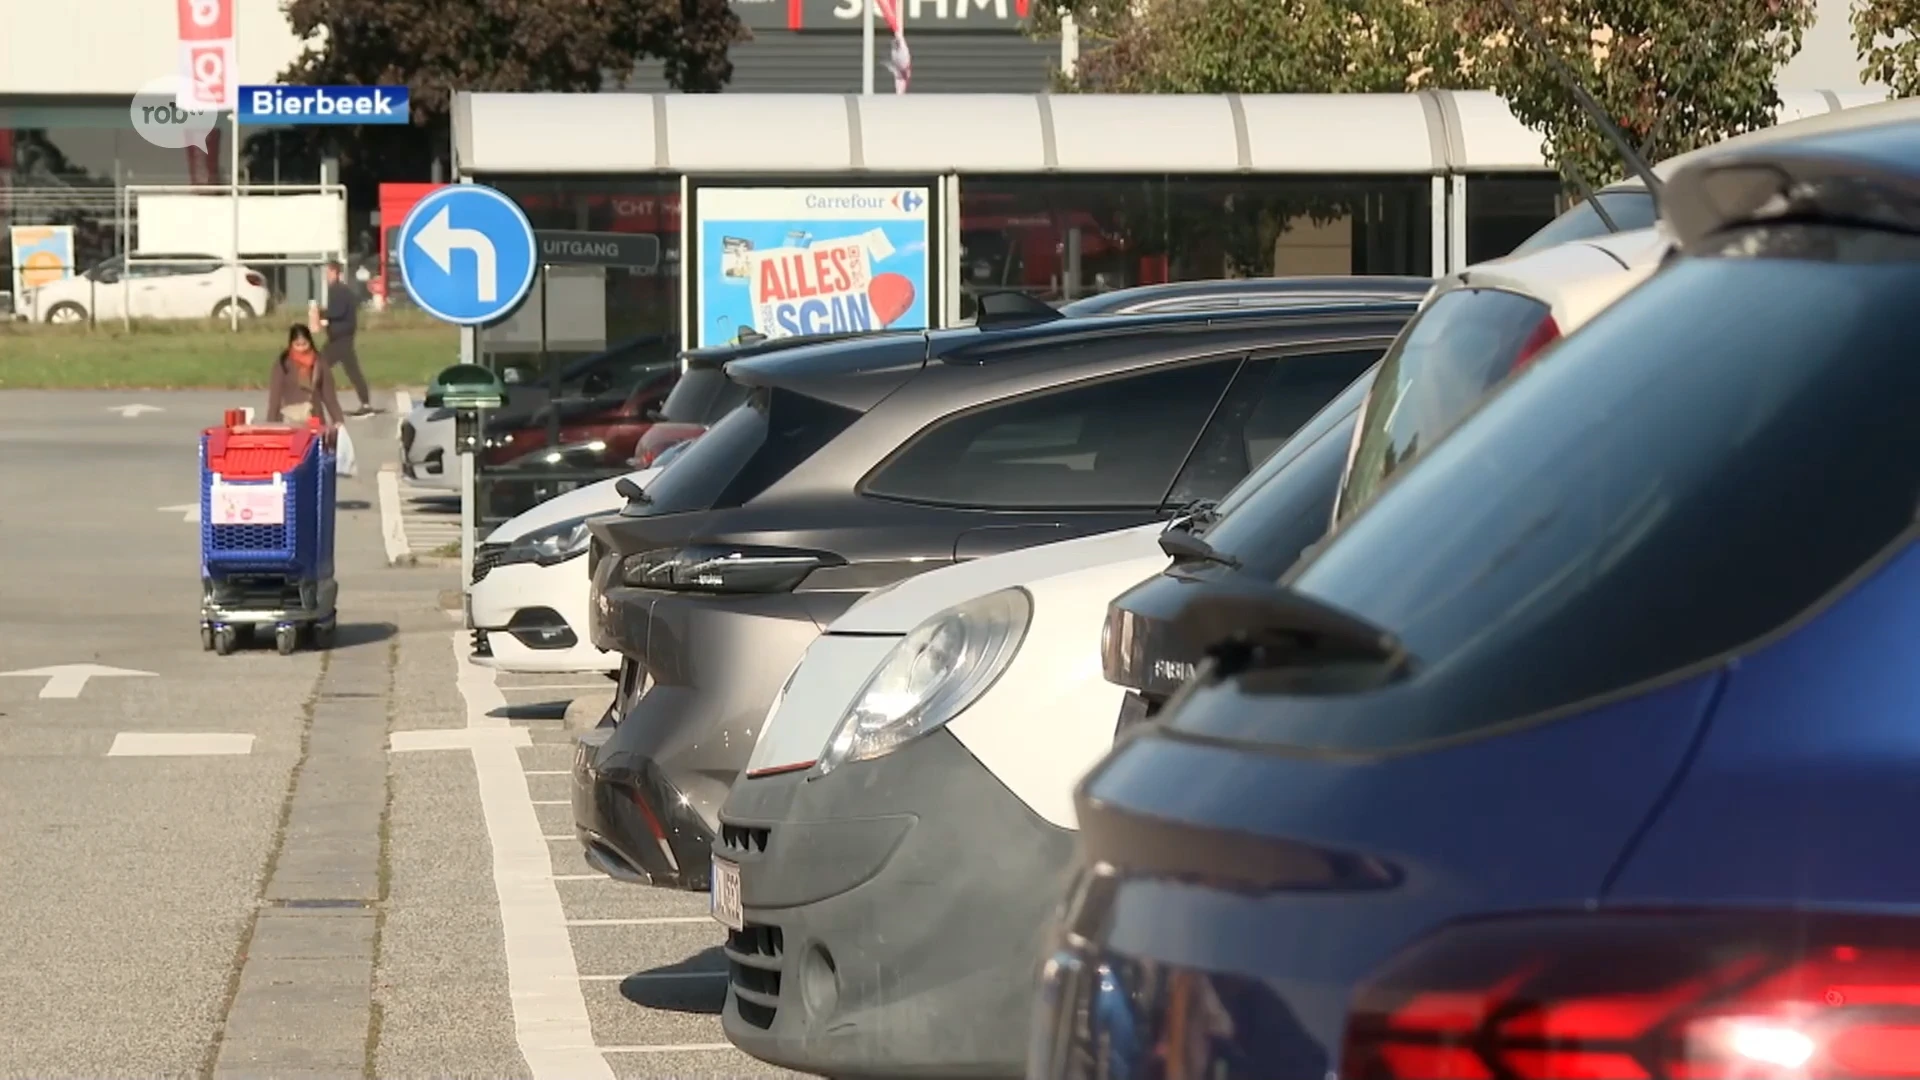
(207, 75)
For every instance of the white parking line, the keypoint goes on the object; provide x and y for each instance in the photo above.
(393, 528)
(565, 836)
(659, 976)
(402, 405)
(543, 980)
(663, 920)
(179, 744)
(549, 772)
(607, 686)
(553, 802)
(671, 1048)
(581, 877)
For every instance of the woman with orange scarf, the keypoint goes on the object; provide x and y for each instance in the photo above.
(300, 384)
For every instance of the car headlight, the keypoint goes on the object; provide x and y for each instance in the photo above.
(936, 671)
(551, 545)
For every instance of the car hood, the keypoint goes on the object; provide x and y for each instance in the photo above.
(899, 608)
(600, 498)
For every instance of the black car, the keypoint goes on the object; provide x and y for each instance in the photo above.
(1227, 293)
(860, 463)
(1579, 752)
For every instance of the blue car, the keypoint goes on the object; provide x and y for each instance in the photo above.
(1587, 750)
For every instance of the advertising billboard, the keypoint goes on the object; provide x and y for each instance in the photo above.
(811, 260)
(41, 254)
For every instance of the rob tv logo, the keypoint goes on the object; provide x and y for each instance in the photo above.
(158, 117)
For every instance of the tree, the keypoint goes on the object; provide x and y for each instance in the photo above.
(435, 47)
(1673, 75)
(1883, 35)
(1254, 46)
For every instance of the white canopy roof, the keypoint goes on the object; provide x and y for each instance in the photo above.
(1426, 133)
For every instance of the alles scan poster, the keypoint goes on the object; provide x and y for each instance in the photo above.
(792, 261)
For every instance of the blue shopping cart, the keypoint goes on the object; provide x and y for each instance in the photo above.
(266, 533)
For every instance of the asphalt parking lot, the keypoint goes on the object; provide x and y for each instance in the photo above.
(329, 864)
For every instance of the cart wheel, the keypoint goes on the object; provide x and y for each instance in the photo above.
(323, 635)
(206, 636)
(224, 639)
(286, 638)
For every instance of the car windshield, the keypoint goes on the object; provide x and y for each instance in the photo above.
(1701, 464)
(745, 453)
(703, 395)
(1630, 209)
(1443, 364)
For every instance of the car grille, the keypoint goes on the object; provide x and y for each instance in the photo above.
(485, 558)
(481, 646)
(753, 970)
(744, 839)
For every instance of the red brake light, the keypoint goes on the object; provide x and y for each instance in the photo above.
(1543, 335)
(1646, 997)
(255, 280)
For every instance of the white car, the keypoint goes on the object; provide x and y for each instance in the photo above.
(529, 593)
(426, 449)
(189, 287)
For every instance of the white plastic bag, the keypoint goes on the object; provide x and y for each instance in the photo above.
(343, 464)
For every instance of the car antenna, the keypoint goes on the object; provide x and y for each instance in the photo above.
(1010, 307)
(1635, 163)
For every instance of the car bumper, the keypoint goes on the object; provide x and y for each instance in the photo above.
(895, 912)
(535, 619)
(650, 791)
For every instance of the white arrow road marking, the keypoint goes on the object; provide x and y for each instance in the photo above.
(187, 511)
(438, 238)
(67, 680)
(128, 412)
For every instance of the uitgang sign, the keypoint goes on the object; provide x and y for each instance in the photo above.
(826, 287)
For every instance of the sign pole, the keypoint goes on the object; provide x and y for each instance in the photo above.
(866, 47)
(232, 80)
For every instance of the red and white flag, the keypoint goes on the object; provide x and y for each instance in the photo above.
(899, 59)
(207, 75)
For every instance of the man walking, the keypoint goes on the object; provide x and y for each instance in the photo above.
(340, 319)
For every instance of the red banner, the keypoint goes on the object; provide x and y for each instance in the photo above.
(206, 55)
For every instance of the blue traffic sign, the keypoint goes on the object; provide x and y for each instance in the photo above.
(467, 254)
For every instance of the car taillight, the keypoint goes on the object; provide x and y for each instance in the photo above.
(724, 568)
(1543, 335)
(255, 280)
(1645, 996)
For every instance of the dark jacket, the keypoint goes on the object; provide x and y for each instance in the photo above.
(283, 389)
(343, 308)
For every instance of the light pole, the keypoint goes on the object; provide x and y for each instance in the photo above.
(866, 46)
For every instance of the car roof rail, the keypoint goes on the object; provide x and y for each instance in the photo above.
(1007, 307)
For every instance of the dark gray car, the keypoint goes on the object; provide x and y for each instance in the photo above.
(860, 463)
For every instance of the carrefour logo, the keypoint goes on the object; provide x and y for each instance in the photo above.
(908, 201)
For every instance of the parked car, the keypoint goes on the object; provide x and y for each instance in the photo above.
(1596, 780)
(609, 377)
(183, 287)
(1244, 292)
(1479, 327)
(528, 601)
(859, 463)
(617, 419)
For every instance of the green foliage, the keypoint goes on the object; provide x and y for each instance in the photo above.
(435, 47)
(1258, 46)
(1884, 35)
(1673, 75)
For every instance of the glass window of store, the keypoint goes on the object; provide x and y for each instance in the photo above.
(1060, 238)
(596, 345)
(1503, 211)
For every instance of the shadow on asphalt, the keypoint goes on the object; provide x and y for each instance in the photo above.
(352, 504)
(539, 710)
(707, 996)
(348, 635)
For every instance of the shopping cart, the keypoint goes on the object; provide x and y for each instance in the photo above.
(266, 533)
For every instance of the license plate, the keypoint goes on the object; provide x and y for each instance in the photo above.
(725, 901)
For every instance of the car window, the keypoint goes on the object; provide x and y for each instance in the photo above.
(749, 450)
(1279, 520)
(1630, 209)
(1115, 442)
(1442, 365)
(1702, 463)
(1271, 398)
(693, 394)
(1340, 411)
